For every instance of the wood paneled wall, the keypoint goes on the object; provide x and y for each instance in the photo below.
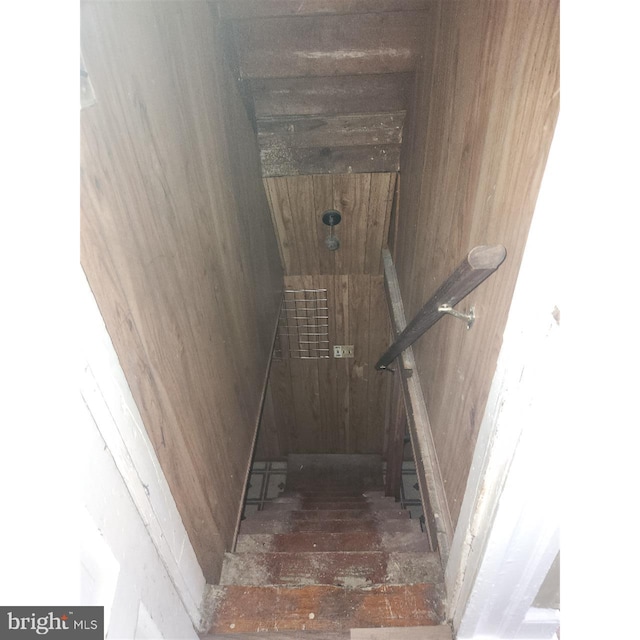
(178, 247)
(477, 134)
(332, 405)
(363, 199)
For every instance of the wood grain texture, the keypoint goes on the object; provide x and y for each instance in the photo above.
(480, 263)
(178, 248)
(337, 568)
(432, 490)
(271, 8)
(330, 131)
(436, 632)
(295, 161)
(280, 635)
(477, 134)
(347, 525)
(395, 429)
(274, 439)
(334, 405)
(337, 514)
(329, 45)
(413, 540)
(364, 200)
(333, 95)
(333, 608)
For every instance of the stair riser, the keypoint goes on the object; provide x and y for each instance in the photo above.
(351, 570)
(329, 556)
(296, 505)
(304, 497)
(327, 514)
(364, 525)
(337, 491)
(331, 542)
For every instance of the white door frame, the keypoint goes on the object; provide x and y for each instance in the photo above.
(507, 534)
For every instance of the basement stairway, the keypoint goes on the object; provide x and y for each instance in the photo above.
(330, 559)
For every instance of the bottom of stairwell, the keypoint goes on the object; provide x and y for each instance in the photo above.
(330, 558)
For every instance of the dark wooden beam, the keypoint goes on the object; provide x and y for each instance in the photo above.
(333, 160)
(330, 131)
(378, 93)
(396, 427)
(479, 264)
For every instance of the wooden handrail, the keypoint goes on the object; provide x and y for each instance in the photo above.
(479, 264)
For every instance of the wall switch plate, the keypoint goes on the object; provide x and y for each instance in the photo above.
(343, 351)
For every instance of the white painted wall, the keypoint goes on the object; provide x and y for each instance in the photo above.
(87, 516)
(136, 558)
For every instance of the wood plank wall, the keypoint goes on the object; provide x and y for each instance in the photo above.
(329, 405)
(364, 201)
(478, 130)
(178, 247)
(332, 405)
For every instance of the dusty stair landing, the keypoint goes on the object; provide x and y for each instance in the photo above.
(329, 559)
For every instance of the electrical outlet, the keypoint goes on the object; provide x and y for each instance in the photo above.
(343, 351)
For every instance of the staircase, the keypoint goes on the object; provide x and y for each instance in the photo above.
(330, 559)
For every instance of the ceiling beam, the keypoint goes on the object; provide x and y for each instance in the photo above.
(330, 45)
(330, 131)
(379, 93)
(271, 8)
(334, 160)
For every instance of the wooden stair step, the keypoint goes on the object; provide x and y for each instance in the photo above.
(280, 635)
(367, 496)
(301, 505)
(436, 632)
(355, 541)
(327, 497)
(346, 569)
(334, 491)
(242, 609)
(362, 525)
(346, 470)
(330, 514)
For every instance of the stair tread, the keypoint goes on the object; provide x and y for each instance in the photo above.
(308, 505)
(331, 514)
(341, 568)
(435, 632)
(324, 608)
(365, 496)
(353, 541)
(329, 495)
(280, 635)
(335, 491)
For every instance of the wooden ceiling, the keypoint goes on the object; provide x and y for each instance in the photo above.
(363, 199)
(326, 81)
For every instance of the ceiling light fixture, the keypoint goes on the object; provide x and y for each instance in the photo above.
(331, 218)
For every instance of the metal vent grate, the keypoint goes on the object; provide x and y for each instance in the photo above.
(303, 330)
